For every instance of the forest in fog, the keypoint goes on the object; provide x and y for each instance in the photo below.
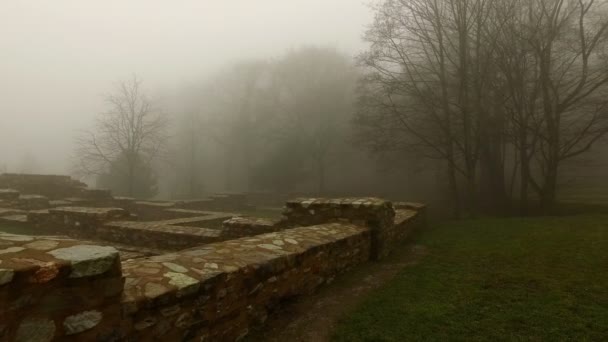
(473, 105)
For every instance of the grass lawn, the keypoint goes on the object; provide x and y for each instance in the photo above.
(540, 279)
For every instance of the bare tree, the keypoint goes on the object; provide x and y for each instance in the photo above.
(477, 82)
(568, 40)
(430, 78)
(132, 133)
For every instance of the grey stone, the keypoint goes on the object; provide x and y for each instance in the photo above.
(87, 260)
(175, 267)
(42, 245)
(270, 247)
(13, 237)
(152, 290)
(6, 276)
(82, 322)
(11, 250)
(186, 285)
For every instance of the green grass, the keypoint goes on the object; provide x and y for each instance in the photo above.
(539, 279)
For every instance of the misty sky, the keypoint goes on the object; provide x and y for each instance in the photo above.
(57, 58)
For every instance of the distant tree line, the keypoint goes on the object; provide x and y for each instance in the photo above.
(480, 101)
(272, 125)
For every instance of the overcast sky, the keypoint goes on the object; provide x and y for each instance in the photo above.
(57, 58)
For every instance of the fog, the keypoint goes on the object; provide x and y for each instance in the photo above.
(58, 58)
(158, 99)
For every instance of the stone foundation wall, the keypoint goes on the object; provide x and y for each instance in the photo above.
(77, 222)
(218, 291)
(51, 186)
(54, 289)
(375, 213)
(213, 292)
(249, 226)
(157, 235)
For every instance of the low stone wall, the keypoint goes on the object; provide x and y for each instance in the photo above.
(217, 291)
(51, 186)
(420, 208)
(213, 292)
(248, 226)
(53, 289)
(116, 225)
(375, 213)
(157, 234)
(77, 222)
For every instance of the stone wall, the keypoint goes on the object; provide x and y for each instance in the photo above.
(213, 292)
(77, 222)
(52, 289)
(248, 226)
(117, 226)
(375, 213)
(51, 186)
(218, 291)
(156, 234)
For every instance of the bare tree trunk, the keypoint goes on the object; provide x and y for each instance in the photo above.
(524, 161)
(453, 189)
(549, 190)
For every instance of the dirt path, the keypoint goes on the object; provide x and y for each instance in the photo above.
(313, 318)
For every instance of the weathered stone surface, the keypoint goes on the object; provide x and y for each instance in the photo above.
(11, 250)
(35, 330)
(251, 273)
(152, 290)
(87, 260)
(375, 213)
(175, 268)
(13, 237)
(157, 234)
(237, 227)
(180, 280)
(6, 276)
(82, 322)
(213, 292)
(42, 245)
(38, 290)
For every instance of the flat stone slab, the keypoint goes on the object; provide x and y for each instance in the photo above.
(87, 260)
(39, 260)
(99, 213)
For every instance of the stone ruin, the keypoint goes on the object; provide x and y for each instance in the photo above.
(100, 268)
